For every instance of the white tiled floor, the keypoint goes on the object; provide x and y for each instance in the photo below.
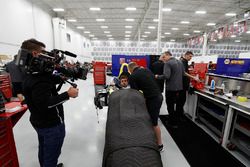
(84, 142)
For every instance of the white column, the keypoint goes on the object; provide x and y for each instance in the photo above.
(159, 27)
(139, 34)
(204, 48)
(58, 30)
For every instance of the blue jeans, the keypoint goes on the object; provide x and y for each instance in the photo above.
(50, 144)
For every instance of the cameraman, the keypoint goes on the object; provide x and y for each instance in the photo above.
(46, 109)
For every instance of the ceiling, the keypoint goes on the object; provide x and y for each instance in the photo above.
(114, 13)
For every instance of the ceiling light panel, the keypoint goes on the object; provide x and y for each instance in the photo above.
(166, 9)
(230, 14)
(104, 27)
(201, 12)
(185, 22)
(211, 24)
(151, 27)
(130, 9)
(147, 32)
(129, 20)
(58, 10)
(95, 9)
(71, 20)
(175, 29)
(100, 20)
(80, 27)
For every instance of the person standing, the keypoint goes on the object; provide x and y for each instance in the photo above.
(143, 79)
(45, 106)
(17, 78)
(173, 73)
(157, 69)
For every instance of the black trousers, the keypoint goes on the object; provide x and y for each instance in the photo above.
(183, 97)
(173, 99)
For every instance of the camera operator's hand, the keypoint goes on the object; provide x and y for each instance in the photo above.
(72, 92)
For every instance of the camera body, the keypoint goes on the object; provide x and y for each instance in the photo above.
(50, 62)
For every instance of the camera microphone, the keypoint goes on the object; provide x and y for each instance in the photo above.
(70, 54)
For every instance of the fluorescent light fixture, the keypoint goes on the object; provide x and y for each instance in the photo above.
(128, 26)
(175, 29)
(104, 27)
(111, 38)
(167, 33)
(172, 40)
(71, 20)
(106, 32)
(128, 32)
(95, 9)
(58, 10)
(86, 32)
(147, 32)
(80, 27)
(127, 35)
(109, 35)
(94, 38)
(130, 20)
(155, 20)
(144, 36)
(201, 12)
(130, 8)
(126, 38)
(233, 36)
(166, 9)
(211, 24)
(230, 14)
(237, 41)
(186, 34)
(91, 35)
(142, 39)
(162, 36)
(151, 27)
(100, 20)
(185, 22)
(197, 31)
(248, 32)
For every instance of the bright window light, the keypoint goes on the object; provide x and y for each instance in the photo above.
(58, 10)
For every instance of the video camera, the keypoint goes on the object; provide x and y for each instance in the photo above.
(50, 62)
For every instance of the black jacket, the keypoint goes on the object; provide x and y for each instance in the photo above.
(157, 68)
(143, 79)
(186, 79)
(43, 101)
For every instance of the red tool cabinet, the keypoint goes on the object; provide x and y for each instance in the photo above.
(8, 154)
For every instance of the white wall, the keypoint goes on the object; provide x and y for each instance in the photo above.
(244, 55)
(21, 20)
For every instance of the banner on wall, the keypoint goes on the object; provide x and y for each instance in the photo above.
(228, 31)
(198, 40)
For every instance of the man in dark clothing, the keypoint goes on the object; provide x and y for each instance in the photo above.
(173, 74)
(186, 79)
(46, 109)
(157, 69)
(17, 77)
(143, 79)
